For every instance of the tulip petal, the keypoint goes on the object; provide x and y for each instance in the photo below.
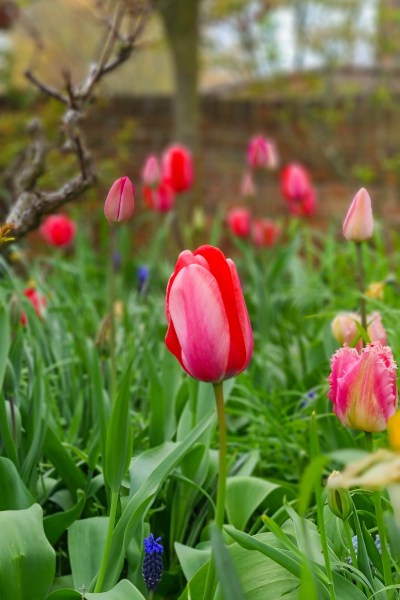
(220, 269)
(243, 316)
(201, 324)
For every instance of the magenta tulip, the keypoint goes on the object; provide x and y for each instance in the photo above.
(120, 201)
(209, 329)
(261, 153)
(359, 222)
(363, 386)
(295, 182)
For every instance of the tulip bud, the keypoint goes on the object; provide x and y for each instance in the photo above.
(247, 188)
(359, 222)
(344, 328)
(239, 222)
(265, 233)
(339, 499)
(37, 300)
(58, 230)
(261, 153)
(151, 174)
(295, 183)
(120, 201)
(363, 387)
(177, 168)
(209, 330)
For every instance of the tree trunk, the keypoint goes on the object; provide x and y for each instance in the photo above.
(181, 23)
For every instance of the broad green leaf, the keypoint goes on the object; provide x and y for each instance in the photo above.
(119, 437)
(72, 477)
(230, 586)
(124, 590)
(27, 561)
(141, 501)
(55, 525)
(14, 493)
(243, 496)
(86, 541)
(191, 559)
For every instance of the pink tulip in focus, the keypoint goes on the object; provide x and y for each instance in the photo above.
(363, 386)
(58, 230)
(295, 182)
(261, 153)
(209, 329)
(265, 233)
(177, 168)
(247, 187)
(160, 198)
(37, 300)
(151, 174)
(239, 222)
(359, 222)
(120, 201)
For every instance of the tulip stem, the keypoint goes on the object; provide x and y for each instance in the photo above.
(349, 541)
(222, 470)
(361, 285)
(221, 489)
(387, 567)
(111, 297)
(107, 547)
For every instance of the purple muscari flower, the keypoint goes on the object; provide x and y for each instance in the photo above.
(307, 398)
(153, 563)
(143, 273)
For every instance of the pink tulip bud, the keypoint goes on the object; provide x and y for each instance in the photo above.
(363, 386)
(295, 183)
(239, 222)
(120, 201)
(247, 188)
(359, 222)
(160, 198)
(58, 230)
(209, 330)
(151, 174)
(346, 329)
(261, 153)
(265, 233)
(177, 168)
(375, 329)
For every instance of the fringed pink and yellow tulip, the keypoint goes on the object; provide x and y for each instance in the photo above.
(363, 387)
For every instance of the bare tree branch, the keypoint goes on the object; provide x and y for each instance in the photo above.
(29, 202)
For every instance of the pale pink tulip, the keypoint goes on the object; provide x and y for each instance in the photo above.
(346, 329)
(359, 222)
(247, 187)
(151, 173)
(120, 201)
(363, 386)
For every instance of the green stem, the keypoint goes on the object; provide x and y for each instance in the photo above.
(221, 489)
(349, 540)
(110, 529)
(368, 441)
(386, 563)
(361, 285)
(315, 451)
(222, 469)
(111, 301)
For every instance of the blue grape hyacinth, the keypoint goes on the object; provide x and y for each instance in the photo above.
(153, 563)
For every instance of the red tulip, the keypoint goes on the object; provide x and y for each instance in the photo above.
(261, 153)
(239, 221)
(177, 168)
(120, 201)
(305, 207)
(151, 174)
(37, 300)
(58, 230)
(265, 233)
(161, 198)
(209, 329)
